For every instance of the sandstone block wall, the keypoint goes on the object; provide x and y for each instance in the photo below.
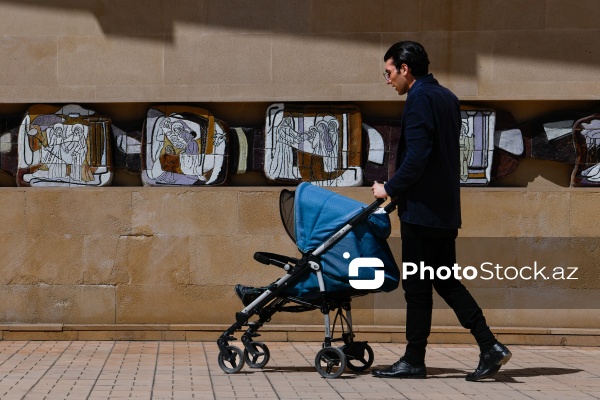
(213, 50)
(172, 255)
(76, 262)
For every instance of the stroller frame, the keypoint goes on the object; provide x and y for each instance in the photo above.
(330, 361)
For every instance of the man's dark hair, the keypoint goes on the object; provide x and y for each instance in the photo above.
(410, 53)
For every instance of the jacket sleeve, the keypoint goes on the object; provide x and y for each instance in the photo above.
(418, 135)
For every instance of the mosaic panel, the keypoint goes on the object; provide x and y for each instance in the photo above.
(64, 146)
(313, 143)
(476, 146)
(184, 146)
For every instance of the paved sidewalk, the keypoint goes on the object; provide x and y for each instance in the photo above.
(189, 370)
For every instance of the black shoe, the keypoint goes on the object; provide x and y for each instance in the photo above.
(490, 362)
(402, 369)
(248, 294)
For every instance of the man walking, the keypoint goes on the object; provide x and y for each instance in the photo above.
(426, 185)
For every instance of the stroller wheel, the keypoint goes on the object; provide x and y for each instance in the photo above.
(357, 361)
(330, 362)
(261, 358)
(233, 362)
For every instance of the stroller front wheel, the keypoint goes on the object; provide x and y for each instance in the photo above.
(330, 362)
(232, 362)
(260, 358)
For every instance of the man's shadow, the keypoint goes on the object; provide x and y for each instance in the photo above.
(504, 375)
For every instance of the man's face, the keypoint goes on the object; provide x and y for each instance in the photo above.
(397, 78)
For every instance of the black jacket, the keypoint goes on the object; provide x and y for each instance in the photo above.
(427, 177)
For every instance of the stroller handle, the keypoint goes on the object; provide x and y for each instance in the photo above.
(366, 212)
(391, 206)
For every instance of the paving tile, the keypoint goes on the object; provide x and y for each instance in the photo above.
(188, 370)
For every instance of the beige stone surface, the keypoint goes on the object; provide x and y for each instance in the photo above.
(119, 335)
(98, 60)
(43, 93)
(57, 304)
(28, 61)
(564, 14)
(208, 50)
(209, 59)
(349, 58)
(100, 254)
(13, 253)
(12, 212)
(46, 21)
(345, 13)
(85, 211)
(260, 16)
(166, 211)
(46, 260)
(514, 213)
(483, 15)
(583, 212)
(259, 213)
(227, 260)
(40, 336)
(157, 256)
(539, 59)
(141, 93)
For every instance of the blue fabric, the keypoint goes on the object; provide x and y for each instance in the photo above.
(319, 213)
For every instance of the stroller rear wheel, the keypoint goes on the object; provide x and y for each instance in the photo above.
(233, 362)
(330, 362)
(355, 353)
(261, 358)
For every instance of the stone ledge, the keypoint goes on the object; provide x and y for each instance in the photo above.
(116, 327)
(32, 327)
(211, 332)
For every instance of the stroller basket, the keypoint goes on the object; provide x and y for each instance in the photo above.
(339, 239)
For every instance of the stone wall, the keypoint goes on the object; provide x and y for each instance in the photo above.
(296, 50)
(160, 263)
(163, 261)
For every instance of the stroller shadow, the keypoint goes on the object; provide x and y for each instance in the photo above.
(504, 375)
(346, 375)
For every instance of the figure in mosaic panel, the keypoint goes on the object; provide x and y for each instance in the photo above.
(476, 146)
(586, 134)
(184, 146)
(317, 144)
(64, 146)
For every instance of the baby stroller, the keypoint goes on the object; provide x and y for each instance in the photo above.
(343, 246)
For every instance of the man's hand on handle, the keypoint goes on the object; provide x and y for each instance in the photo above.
(379, 191)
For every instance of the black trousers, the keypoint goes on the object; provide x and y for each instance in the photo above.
(435, 247)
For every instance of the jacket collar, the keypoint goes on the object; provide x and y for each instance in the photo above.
(427, 79)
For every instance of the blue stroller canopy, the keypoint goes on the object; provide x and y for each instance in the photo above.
(318, 214)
